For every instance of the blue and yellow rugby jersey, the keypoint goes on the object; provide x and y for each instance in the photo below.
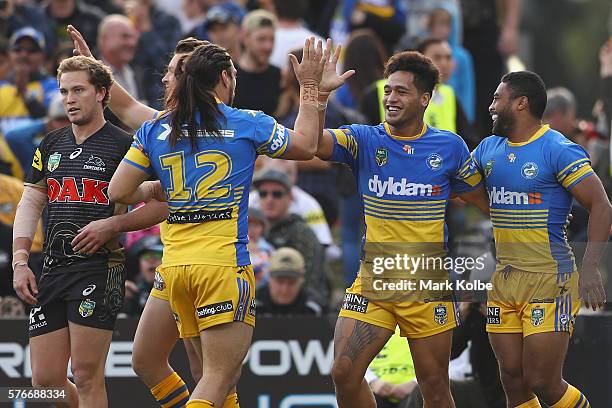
(528, 185)
(208, 189)
(405, 182)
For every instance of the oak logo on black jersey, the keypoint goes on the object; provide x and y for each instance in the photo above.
(66, 191)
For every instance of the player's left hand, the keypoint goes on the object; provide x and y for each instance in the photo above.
(592, 291)
(330, 79)
(92, 236)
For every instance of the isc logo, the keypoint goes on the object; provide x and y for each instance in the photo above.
(279, 139)
(66, 191)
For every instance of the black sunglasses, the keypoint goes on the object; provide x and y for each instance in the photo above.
(273, 193)
(29, 50)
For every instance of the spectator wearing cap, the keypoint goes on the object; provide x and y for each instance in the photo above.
(258, 84)
(285, 294)
(15, 14)
(158, 35)
(222, 27)
(149, 252)
(260, 250)
(194, 12)
(85, 17)
(302, 203)
(289, 230)
(24, 139)
(28, 90)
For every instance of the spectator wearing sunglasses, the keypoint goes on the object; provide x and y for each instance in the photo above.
(222, 27)
(28, 89)
(289, 230)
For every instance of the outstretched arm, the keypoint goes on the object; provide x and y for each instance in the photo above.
(592, 196)
(330, 81)
(125, 106)
(95, 234)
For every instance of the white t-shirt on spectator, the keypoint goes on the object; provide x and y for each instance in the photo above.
(286, 40)
(307, 207)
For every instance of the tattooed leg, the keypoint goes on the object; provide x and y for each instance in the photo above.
(356, 343)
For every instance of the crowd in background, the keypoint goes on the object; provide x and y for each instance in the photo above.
(469, 40)
(305, 218)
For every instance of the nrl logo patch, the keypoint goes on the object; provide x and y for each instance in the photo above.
(381, 156)
(537, 316)
(86, 308)
(440, 314)
(489, 167)
(54, 161)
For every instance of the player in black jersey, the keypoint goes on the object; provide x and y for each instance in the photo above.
(77, 297)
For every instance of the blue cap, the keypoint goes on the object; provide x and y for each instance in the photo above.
(224, 13)
(29, 32)
(151, 243)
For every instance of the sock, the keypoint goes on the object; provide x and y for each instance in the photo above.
(171, 392)
(532, 403)
(199, 403)
(572, 398)
(231, 401)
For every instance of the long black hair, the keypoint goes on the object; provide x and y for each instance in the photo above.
(197, 75)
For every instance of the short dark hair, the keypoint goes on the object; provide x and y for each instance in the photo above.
(426, 75)
(197, 75)
(530, 85)
(428, 42)
(187, 45)
(291, 10)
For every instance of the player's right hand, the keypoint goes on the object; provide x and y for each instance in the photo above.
(24, 284)
(310, 69)
(592, 291)
(80, 46)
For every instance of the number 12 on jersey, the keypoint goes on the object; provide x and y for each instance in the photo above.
(212, 167)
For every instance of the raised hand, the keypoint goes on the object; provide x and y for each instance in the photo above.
(330, 79)
(310, 69)
(80, 46)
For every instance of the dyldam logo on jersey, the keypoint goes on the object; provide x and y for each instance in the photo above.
(67, 191)
(279, 139)
(507, 197)
(401, 187)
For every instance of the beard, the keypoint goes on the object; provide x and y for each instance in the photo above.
(503, 125)
(232, 95)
